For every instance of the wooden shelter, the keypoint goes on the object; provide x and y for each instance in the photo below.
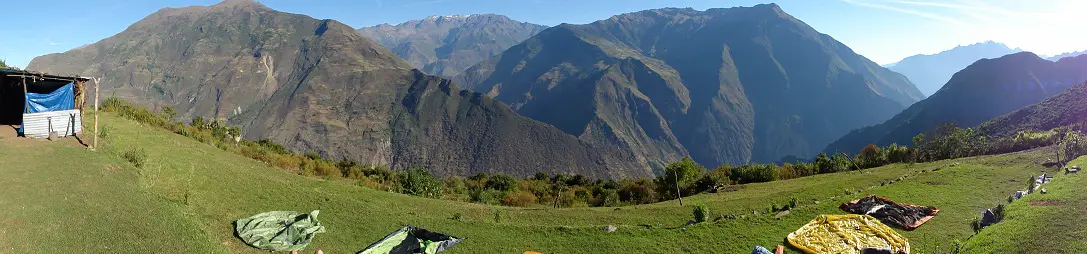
(20, 89)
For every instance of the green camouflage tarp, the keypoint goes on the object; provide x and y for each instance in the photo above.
(279, 230)
(412, 240)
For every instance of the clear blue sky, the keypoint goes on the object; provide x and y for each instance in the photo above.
(882, 30)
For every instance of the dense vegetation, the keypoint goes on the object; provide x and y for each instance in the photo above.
(682, 178)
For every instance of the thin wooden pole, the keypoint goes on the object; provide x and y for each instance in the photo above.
(96, 88)
(678, 194)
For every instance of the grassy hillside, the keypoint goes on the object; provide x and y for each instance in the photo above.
(66, 198)
(1053, 221)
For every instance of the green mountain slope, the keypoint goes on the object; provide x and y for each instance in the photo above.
(447, 45)
(1064, 109)
(187, 193)
(722, 85)
(986, 89)
(319, 86)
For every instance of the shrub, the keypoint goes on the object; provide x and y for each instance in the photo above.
(566, 199)
(711, 180)
(502, 182)
(103, 131)
(520, 199)
(753, 173)
(871, 156)
(701, 213)
(485, 196)
(637, 192)
(138, 157)
(608, 197)
(419, 182)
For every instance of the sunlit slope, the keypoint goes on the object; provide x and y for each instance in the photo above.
(65, 198)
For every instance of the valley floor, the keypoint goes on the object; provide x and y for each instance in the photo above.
(60, 197)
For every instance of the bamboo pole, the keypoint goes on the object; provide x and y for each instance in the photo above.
(94, 144)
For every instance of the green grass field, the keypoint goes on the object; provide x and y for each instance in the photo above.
(63, 198)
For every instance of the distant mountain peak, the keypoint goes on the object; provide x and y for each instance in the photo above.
(240, 3)
(931, 71)
(446, 45)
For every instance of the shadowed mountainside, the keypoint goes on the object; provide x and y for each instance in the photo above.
(723, 86)
(319, 86)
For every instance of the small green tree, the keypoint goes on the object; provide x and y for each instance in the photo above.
(841, 162)
(871, 156)
(897, 154)
(683, 173)
(502, 182)
(1073, 146)
(823, 164)
(918, 141)
(3, 64)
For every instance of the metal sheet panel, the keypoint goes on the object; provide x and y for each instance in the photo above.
(64, 123)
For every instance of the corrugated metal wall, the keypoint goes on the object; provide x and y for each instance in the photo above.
(36, 125)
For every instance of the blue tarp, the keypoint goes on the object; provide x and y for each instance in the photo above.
(61, 99)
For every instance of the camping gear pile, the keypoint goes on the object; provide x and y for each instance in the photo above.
(412, 240)
(850, 233)
(903, 215)
(279, 230)
(864, 230)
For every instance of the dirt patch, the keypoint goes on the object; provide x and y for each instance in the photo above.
(1046, 203)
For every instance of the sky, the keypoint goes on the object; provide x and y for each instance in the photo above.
(882, 30)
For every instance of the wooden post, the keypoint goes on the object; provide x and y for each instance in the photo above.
(678, 194)
(94, 144)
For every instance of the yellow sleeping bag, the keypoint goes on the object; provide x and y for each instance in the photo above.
(847, 234)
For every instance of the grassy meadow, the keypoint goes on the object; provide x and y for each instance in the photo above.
(64, 198)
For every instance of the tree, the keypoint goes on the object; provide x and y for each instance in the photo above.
(841, 162)
(1073, 145)
(502, 182)
(917, 142)
(3, 64)
(871, 156)
(897, 154)
(679, 175)
(823, 164)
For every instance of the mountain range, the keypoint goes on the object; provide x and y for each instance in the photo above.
(986, 89)
(723, 86)
(320, 86)
(447, 45)
(1063, 55)
(931, 72)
